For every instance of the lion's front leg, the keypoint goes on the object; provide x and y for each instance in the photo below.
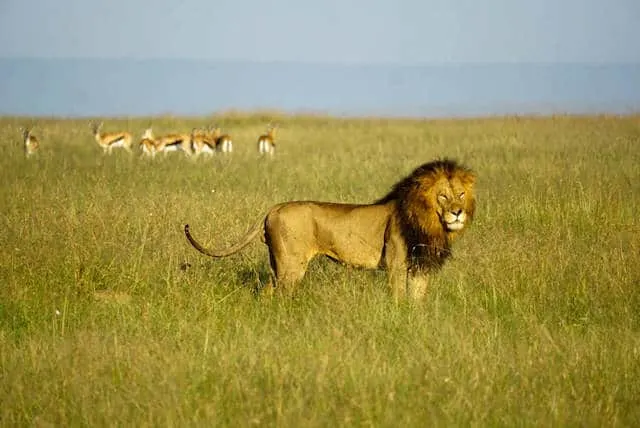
(396, 264)
(398, 283)
(417, 283)
(395, 259)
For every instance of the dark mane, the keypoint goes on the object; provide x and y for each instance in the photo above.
(427, 248)
(400, 189)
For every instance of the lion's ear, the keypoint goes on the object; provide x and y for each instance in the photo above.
(469, 179)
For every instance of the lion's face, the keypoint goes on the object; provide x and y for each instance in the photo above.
(444, 202)
(451, 203)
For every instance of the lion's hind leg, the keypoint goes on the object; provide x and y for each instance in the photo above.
(287, 273)
(287, 266)
(289, 246)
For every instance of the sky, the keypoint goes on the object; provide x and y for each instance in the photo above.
(325, 31)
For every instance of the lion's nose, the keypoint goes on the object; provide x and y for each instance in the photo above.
(458, 212)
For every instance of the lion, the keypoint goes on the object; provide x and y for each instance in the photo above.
(408, 232)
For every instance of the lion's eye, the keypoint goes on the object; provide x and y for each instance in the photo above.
(442, 198)
(461, 195)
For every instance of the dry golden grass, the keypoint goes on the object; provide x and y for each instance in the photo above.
(534, 322)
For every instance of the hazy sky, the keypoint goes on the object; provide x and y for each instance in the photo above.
(338, 31)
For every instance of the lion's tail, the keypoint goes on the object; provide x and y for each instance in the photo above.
(223, 252)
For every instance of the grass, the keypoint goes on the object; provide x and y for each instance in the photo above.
(534, 322)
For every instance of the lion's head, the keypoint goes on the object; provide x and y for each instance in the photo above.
(435, 202)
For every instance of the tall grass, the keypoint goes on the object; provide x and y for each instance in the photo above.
(109, 317)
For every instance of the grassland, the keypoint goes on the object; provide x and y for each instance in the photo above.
(108, 317)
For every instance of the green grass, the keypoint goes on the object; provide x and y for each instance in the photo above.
(534, 322)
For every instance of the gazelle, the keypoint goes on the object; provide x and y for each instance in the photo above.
(224, 143)
(202, 142)
(267, 142)
(31, 143)
(110, 140)
(174, 143)
(148, 144)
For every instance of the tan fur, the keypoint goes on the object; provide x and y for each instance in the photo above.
(31, 143)
(110, 140)
(408, 232)
(181, 141)
(148, 144)
(203, 142)
(224, 143)
(267, 142)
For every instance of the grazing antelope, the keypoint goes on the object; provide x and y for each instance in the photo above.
(31, 143)
(202, 142)
(267, 142)
(148, 144)
(224, 143)
(174, 143)
(110, 140)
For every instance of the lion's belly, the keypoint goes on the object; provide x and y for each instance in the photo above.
(354, 237)
(364, 258)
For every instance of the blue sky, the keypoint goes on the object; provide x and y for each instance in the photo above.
(328, 31)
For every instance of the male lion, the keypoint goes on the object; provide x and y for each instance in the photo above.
(408, 232)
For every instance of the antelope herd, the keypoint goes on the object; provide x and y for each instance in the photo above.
(198, 142)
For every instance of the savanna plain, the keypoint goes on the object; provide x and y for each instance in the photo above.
(108, 317)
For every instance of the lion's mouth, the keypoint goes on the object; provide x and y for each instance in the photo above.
(454, 220)
(455, 225)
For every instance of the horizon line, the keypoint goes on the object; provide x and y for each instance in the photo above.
(318, 62)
